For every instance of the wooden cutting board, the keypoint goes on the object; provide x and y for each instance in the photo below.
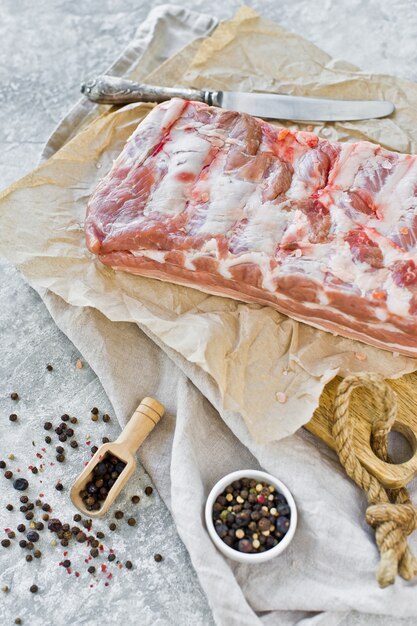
(362, 410)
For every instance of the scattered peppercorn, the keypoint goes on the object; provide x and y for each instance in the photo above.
(60, 449)
(60, 458)
(129, 564)
(21, 528)
(105, 440)
(13, 417)
(94, 410)
(131, 521)
(157, 558)
(94, 417)
(135, 499)
(29, 557)
(5, 543)
(100, 535)
(45, 517)
(59, 486)
(106, 418)
(29, 515)
(11, 534)
(21, 484)
(94, 449)
(46, 507)
(148, 491)
(37, 554)
(14, 396)
(74, 444)
(49, 367)
(66, 563)
(34, 589)
(32, 536)
(48, 439)
(94, 552)
(111, 557)
(34, 470)
(9, 507)
(18, 620)
(47, 425)
(2, 464)
(39, 526)
(81, 537)
(8, 474)
(23, 543)
(112, 526)
(77, 517)
(91, 569)
(62, 437)
(73, 420)
(69, 432)
(118, 514)
(65, 417)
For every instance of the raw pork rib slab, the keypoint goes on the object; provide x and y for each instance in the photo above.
(229, 204)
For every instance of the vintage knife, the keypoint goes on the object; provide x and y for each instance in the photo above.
(114, 90)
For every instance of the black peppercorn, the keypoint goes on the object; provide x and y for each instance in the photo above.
(157, 558)
(118, 514)
(21, 484)
(34, 589)
(77, 517)
(65, 417)
(59, 486)
(131, 521)
(47, 425)
(29, 515)
(34, 470)
(37, 554)
(112, 526)
(46, 507)
(2, 464)
(60, 458)
(74, 444)
(106, 418)
(100, 535)
(129, 564)
(94, 552)
(5, 543)
(91, 569)
(66, 563)
(49, 367)
(148, 491)
(13, 417)
(32, 536)
(21, 528)
(105, 440)
(39, 526)
(14, 396)
(9, 507)
(73, 420)
(94, 449)
(8, 474)
(48, 439)
(23, 543)
(135, 499)
(62, 437)
(94, 410)
(111, 557)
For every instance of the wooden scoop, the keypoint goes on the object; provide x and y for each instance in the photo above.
(142, 422)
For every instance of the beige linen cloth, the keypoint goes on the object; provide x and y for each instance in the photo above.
(328, 570)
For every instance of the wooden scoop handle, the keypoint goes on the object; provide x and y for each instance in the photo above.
(142, 422)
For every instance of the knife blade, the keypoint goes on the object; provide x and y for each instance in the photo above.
(114, 90)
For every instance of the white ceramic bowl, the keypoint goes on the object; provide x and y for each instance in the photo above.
(242, 557)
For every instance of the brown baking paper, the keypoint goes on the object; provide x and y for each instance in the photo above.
(267, 367)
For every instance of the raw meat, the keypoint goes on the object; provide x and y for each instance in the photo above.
(229, 204)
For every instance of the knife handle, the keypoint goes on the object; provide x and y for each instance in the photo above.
(114, 90)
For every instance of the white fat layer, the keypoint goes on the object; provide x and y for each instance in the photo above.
(185, 153)
(398, 299)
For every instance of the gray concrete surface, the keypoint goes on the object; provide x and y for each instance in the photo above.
(46, 49)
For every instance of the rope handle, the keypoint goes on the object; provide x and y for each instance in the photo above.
(390, 512)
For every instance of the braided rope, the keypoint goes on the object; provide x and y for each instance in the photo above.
(390, 511)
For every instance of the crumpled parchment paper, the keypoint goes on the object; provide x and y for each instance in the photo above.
(251, 352)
